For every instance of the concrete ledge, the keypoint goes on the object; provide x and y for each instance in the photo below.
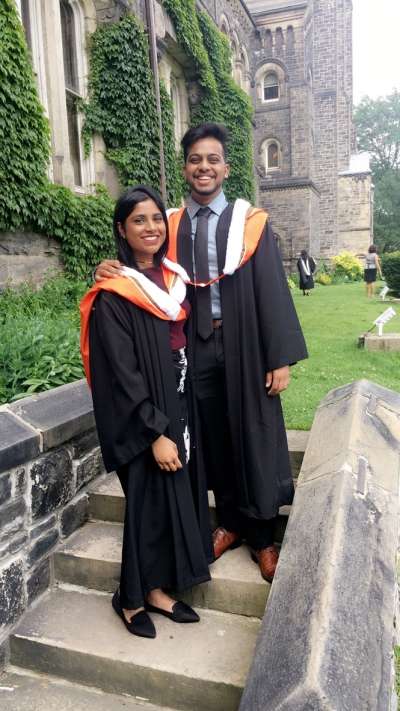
(58, 414)
(387, 342)
(327, 636)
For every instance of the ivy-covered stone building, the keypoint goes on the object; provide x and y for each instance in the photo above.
(293, 60)
(318, 191)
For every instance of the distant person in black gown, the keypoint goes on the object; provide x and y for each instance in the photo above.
(133, 347)
(306, 266)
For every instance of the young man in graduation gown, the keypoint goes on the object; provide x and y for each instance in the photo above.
(242, 337)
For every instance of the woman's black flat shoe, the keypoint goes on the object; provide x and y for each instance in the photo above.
(140, 624)
(180, 612)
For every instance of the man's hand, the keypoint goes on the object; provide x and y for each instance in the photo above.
(165, 453)
(276, 381)
(107, 268)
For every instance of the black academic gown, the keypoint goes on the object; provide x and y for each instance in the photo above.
(135, 400)
(306, 281)
(261, 332)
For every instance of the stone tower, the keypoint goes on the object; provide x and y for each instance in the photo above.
(318, 194)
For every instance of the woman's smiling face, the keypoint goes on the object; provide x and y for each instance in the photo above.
(144, 230)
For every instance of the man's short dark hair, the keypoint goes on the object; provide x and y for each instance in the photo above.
(205, 130)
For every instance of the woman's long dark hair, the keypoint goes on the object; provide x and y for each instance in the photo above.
(123, 208)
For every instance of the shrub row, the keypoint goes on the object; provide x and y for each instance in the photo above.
(39, 337)
(391, 270)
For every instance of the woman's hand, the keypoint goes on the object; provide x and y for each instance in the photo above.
(107, 268)
(165, 453)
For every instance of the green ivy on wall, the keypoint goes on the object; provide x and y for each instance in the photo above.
(221, 99)
(28, 200)
(122, 107)
(184, 16)
(24, 131)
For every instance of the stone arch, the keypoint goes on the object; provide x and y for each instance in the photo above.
(279, 41)
(290, 39)
(269, 42)
(224, 25)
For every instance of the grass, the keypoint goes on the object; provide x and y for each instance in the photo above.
(332, 318)
(39, 343)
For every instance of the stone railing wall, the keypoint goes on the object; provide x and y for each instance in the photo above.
(329, 628)
(48, 454)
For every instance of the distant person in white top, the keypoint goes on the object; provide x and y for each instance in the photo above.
(306, 266)
(372, 267)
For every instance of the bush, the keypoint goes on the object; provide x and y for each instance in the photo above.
(391, 270)
(39, 337)
(346, 267)
(291, 282)
(324, 279)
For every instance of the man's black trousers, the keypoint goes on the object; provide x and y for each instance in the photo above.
(212, 402)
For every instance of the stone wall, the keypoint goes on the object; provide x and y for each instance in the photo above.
(25, 256)
(48, 454)
(294, 217)
(354, 216)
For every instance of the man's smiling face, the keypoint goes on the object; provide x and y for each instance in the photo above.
(205, 169)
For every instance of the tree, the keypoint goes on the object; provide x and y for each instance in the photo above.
(387, 211)
(378, 132)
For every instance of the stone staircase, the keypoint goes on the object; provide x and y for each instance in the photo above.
(72, 633)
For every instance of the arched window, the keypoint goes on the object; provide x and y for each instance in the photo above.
(31, 17)
(271, 87)
(272, 156)
(73, 92)
(26, 21)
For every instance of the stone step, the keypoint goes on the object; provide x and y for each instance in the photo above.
(107, 503)
(78, 636)
(91, 558)
(54, 694)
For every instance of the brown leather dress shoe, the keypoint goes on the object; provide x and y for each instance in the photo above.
(267, 559)
(224, 540)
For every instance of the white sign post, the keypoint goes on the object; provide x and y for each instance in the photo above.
(383, 293)
(384, 318)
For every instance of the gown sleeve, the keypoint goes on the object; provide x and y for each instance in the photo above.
(280, 331)
(127, 420)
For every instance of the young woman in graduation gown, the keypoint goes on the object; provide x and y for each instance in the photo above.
(133, 347)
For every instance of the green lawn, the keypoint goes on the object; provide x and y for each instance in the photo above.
(333, 317)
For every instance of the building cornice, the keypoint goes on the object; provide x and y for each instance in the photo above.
(290, 7)
(288, 184)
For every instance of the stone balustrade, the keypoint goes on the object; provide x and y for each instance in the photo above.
(49, 452)
(328, 633)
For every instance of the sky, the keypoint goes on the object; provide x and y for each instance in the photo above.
(376, 46)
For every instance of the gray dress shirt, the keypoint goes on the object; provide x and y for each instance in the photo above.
(217, 206)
